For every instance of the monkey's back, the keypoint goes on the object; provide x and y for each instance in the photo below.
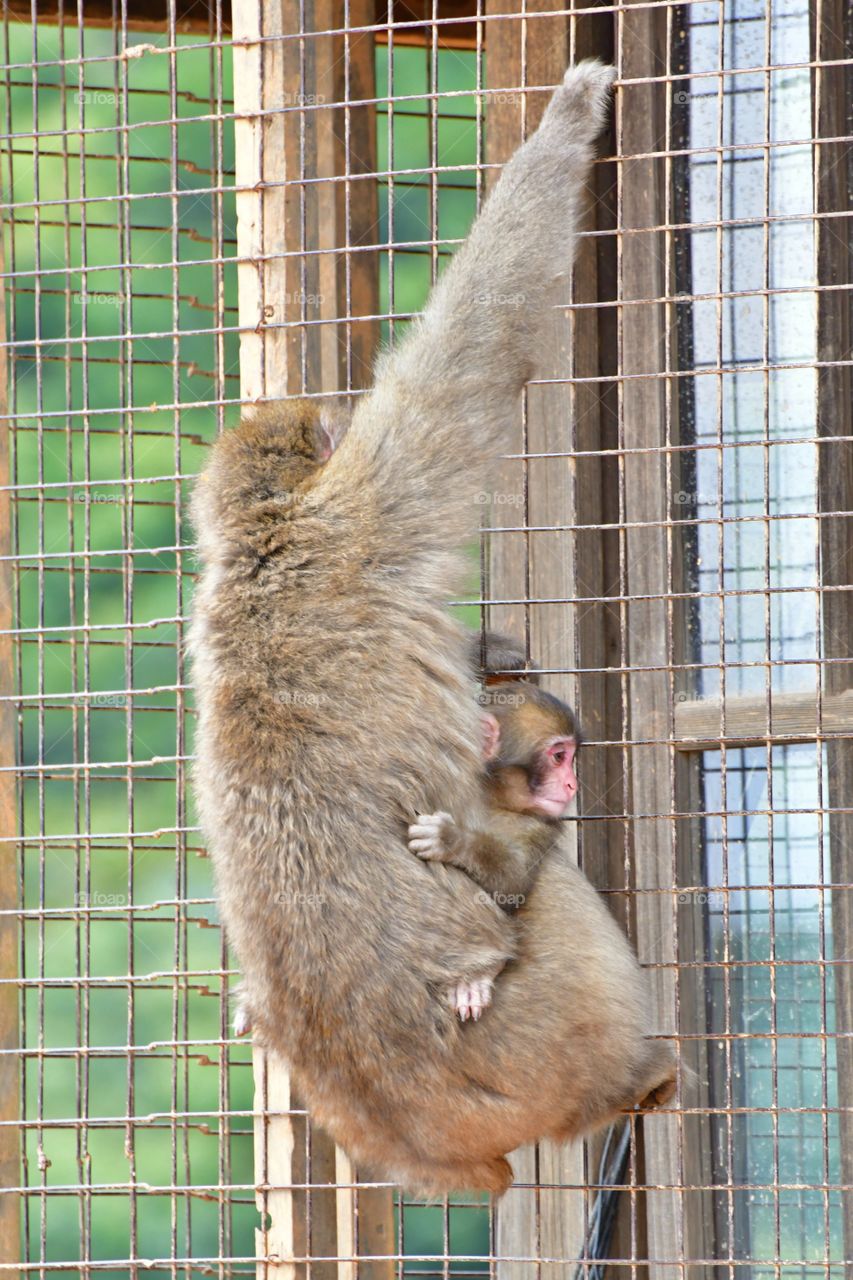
(347, 941)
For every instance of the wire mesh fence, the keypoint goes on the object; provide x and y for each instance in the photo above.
(199, 213)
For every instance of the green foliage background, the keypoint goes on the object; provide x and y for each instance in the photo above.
(121, 925)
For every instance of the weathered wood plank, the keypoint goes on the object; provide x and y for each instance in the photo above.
(298, 337)
(750, 720)
(259, 86)
(535, 50)
(10, 1042)
(833, 87)
(641, 124)
(275, 1239)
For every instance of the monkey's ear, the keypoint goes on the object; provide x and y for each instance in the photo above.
(332, 427)
(491, 736)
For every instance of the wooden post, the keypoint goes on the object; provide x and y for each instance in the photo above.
(10, 1092)
(263, 371)
(835, 493)
(534, 1222)
(293, 126)
(649, 563)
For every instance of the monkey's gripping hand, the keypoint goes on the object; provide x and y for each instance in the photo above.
(432, 837)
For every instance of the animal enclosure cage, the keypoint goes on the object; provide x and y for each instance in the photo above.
(203, 209)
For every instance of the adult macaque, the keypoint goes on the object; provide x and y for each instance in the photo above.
(335, 704)
(530, 743)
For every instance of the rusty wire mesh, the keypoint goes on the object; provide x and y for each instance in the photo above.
(673, 548)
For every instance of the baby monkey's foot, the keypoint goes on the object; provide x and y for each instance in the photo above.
(430, 836)
(469, 999)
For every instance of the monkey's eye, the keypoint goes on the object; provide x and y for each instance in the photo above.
(559, 756)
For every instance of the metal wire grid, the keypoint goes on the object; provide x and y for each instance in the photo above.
(119, 261)
(145, 229)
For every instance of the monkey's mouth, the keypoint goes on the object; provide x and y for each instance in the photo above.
(553, 806)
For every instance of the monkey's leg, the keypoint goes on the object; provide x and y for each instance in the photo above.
(659, 1085)
(428, 1180)
(242, 1019)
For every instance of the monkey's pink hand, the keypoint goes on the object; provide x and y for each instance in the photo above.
(469, 999)
(431, 836)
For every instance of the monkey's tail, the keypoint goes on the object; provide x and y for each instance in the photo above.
(422, 444)
(602, 1219)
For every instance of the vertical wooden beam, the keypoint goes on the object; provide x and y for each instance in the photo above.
(833, 85)
(350, 76)
(536, 1222)
(696, 1134)
(10, 1093)
(301, 294)
(648, 548)
(261, 229)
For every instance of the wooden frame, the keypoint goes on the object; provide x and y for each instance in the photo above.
(576, 493)
(534, 49)
(677, 1227)
(190, 16)
(11, 1135)
(833, 85)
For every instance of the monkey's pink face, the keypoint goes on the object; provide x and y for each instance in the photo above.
(556, 781)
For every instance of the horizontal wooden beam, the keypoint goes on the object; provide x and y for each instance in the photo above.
(412, 23)
(752, 719)
(140, 15)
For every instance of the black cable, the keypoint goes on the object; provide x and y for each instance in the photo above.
(602, 1218)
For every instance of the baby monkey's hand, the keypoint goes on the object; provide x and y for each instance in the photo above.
(431, 836)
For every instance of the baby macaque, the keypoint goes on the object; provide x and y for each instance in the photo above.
(531, 739)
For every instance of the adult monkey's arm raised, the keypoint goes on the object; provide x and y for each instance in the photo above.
(335, 703)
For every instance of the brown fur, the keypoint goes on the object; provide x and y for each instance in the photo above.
(497, 659)
(334, 703)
